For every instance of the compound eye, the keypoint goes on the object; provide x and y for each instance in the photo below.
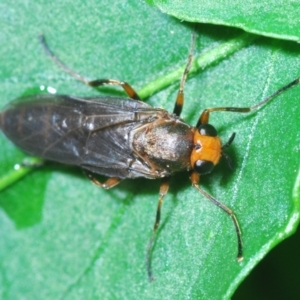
(203, 166)
(207, 130)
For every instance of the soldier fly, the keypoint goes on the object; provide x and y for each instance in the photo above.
(122, 137)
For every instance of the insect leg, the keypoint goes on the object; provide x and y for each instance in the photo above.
(94, 83)
(180, 95)
(109, 183)
(205, 114)
(126, 86)
(195, 182)
(162, 192)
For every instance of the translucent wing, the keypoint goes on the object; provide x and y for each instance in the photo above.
(92, 133)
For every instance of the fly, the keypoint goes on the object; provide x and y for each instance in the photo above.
(122, 137)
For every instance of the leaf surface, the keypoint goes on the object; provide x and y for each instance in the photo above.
(64, 238)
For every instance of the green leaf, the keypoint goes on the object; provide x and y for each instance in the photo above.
(64, 238)
(277, 19)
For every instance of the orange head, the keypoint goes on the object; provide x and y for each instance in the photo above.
(207, 149)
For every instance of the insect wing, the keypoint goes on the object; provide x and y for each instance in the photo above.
(89, 132)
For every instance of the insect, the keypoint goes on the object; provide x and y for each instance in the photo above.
(122, 137)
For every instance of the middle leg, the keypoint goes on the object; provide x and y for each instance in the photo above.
(164, 187)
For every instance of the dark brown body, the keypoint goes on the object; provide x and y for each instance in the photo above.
(115, 137)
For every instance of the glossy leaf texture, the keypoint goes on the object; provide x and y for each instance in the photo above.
(277, 19)
(64, 238)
